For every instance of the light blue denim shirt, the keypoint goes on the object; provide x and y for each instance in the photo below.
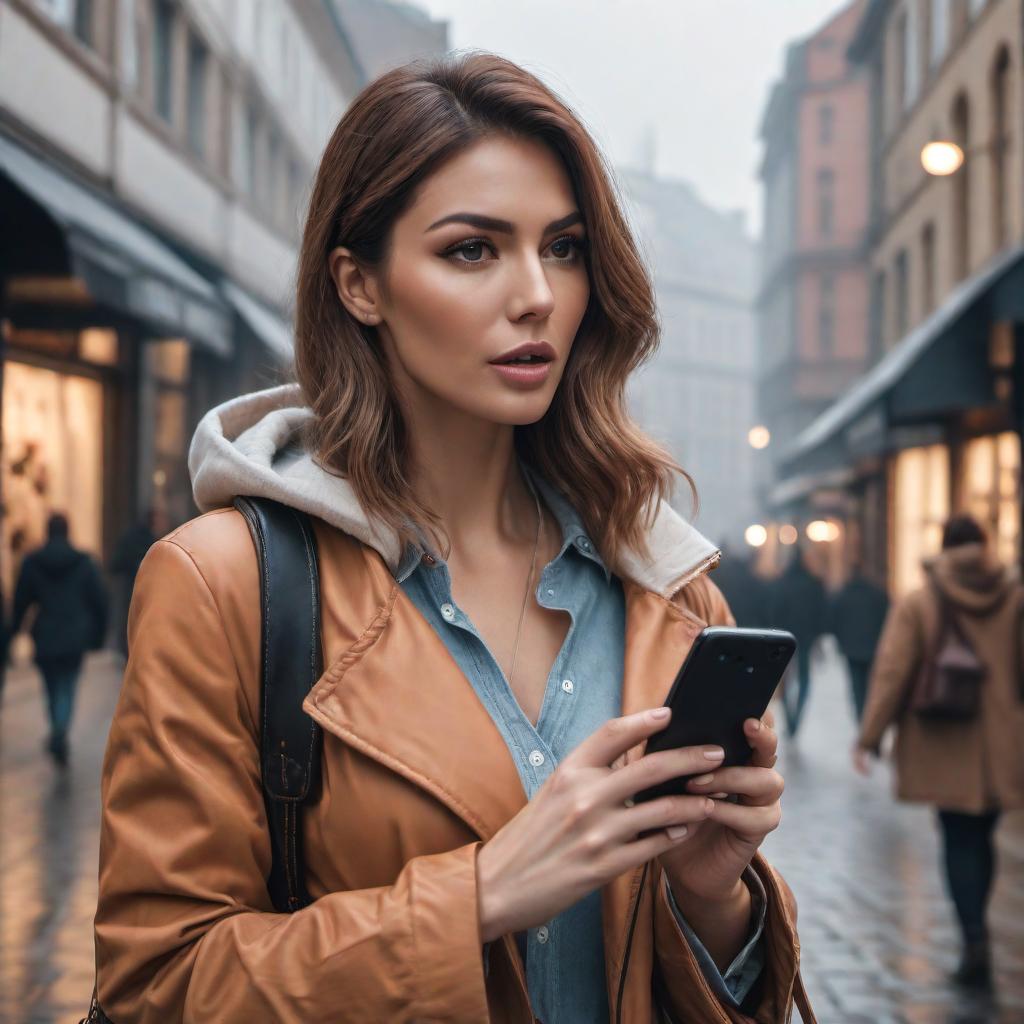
(564, 957)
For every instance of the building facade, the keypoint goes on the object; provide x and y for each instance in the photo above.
(813, 300)
(935, 426)
(697, 395)
(155, 161)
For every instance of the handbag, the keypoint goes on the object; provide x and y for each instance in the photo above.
(949, 684)
(292, 660)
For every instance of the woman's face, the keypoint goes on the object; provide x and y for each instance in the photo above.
(488, 257)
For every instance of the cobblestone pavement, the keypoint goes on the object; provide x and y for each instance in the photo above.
(876, 929)
(877, 932)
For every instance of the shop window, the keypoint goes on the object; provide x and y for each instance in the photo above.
(98, 345)
(911, 54)
(991, 475)
(920, 508)
(52, 460)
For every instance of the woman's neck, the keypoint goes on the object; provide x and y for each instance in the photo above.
(472, 480)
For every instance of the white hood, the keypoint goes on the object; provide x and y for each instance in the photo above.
(251, 446)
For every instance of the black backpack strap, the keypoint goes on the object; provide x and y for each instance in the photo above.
(292, 662)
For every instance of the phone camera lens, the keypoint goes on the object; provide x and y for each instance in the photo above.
(721, 657)
(750, 668)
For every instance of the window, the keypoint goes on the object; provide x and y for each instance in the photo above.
(940, 12)
(163, 27)
(83, 22)
(826, 118)
(975, 7)
(877, 315)
(901, 274)
(928, 267)
(827, 315)
(73, 15)
(911, 67)
(960, 236)
(899, 55)
(1001, 102)
(197, 94)
(249, 148)
(826, 202)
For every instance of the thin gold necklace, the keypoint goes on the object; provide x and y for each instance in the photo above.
(529, 580)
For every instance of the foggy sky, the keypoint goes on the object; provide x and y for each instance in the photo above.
(692, 74)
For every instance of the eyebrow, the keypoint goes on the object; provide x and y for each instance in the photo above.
(478, 220)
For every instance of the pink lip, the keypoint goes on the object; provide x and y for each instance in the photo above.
(542, 349)
(523, 375)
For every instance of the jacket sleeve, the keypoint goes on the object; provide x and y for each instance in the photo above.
(24, 596)
(98, 605)
(900, 654)
(185, 930)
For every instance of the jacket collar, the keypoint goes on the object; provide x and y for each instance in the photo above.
(252, 445)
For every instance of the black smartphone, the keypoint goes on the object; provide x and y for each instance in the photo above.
(729, 676)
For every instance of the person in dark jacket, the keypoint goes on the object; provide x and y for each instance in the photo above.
(856, 616)
(129, 552)
(64, 586)
(798, 603)
(745, 591)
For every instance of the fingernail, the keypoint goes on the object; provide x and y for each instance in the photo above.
(701, 780)
(709, 806)
(659, 713)
(757, 724)
(677, 831)
(714, 753)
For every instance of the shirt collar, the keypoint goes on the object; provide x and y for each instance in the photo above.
(574, 536)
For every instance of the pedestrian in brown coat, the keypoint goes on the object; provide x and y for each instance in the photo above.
(971, 770)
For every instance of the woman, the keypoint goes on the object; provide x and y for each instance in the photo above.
(473, 854)
(970, 770)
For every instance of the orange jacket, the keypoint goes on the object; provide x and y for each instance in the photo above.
(415, 778)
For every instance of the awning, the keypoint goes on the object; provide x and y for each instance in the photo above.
(904, 387)
(273, 332)
(796, 488)
(124, 265)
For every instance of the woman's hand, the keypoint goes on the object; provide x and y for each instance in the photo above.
(578, 833)
(707, 868)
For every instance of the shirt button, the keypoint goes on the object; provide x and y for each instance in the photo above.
(567, 685)
(448, 611)
(583, 543)
(536, 758)
(542, 934)
(429, 559)
(550, 592)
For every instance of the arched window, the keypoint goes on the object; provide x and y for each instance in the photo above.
(1000, 149)
(960, 119)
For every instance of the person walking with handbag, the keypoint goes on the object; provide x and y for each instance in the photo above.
(947, 677)
(505, 598)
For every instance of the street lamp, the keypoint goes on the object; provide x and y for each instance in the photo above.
(755, 535)
(759, 437)
(942, 158)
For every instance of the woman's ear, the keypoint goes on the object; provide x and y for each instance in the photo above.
(354, 287)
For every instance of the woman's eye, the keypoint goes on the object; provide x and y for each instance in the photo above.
(566, 248)
(472, 251)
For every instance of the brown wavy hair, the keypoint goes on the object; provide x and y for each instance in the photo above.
(398, 131)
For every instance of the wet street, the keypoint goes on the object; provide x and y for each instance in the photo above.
(878, 935)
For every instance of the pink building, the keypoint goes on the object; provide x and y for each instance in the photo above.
(813, 303)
